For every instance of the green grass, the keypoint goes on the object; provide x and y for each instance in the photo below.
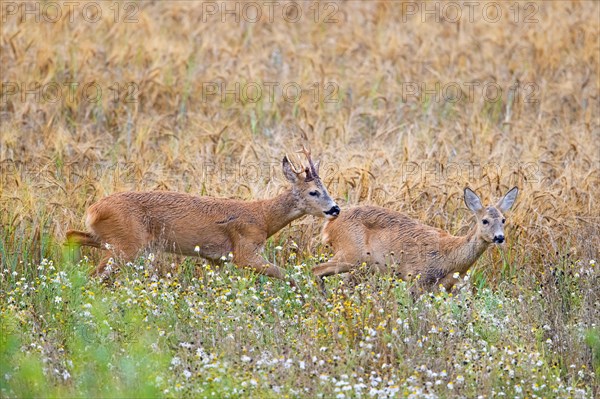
(200, 332)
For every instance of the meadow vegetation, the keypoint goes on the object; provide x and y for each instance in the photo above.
(137, 101)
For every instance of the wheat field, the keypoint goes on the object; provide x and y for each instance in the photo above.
(404, 103)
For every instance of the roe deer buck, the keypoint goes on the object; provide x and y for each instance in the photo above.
(128, 222)
(380, 237)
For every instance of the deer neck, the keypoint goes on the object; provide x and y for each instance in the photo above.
(280, 211)
(466, 250)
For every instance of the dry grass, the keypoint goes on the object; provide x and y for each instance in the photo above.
(417, 155)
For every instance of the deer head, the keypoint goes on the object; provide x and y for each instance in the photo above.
(309, 192)
(490, 219)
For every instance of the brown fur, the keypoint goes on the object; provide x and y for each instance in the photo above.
(176, 222)
(380, 238)
(82, 238)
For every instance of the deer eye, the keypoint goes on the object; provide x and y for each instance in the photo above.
(485, 221)
(314, 193)
(503, 220)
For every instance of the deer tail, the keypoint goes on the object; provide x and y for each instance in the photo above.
(82, 238)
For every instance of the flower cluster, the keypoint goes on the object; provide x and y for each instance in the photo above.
(226, 332)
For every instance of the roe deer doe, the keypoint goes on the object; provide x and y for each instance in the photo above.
(128, 222)
(380, 238)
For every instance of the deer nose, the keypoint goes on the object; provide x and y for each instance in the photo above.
(334, 211)
(499, 239)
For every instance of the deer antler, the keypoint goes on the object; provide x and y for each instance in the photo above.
(311, 173)
(296, 171)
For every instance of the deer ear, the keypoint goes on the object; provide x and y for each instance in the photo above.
(288, 172)
(472, 200)
(318, 166)
(508, 200)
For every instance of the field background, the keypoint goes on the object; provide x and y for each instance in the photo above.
(525, 324)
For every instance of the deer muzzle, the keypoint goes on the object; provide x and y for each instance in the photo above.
(333, 212)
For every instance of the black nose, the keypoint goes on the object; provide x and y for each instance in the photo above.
(334, 211)
(498, 239)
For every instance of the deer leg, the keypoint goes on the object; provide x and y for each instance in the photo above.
(328, 269)
(122, 240)
(448, 282)
(259, 265)
(332, 267)
(351, 280)
(247, 253)
(127, 255)
(270, 270)
(99, 270)
(266, 268)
